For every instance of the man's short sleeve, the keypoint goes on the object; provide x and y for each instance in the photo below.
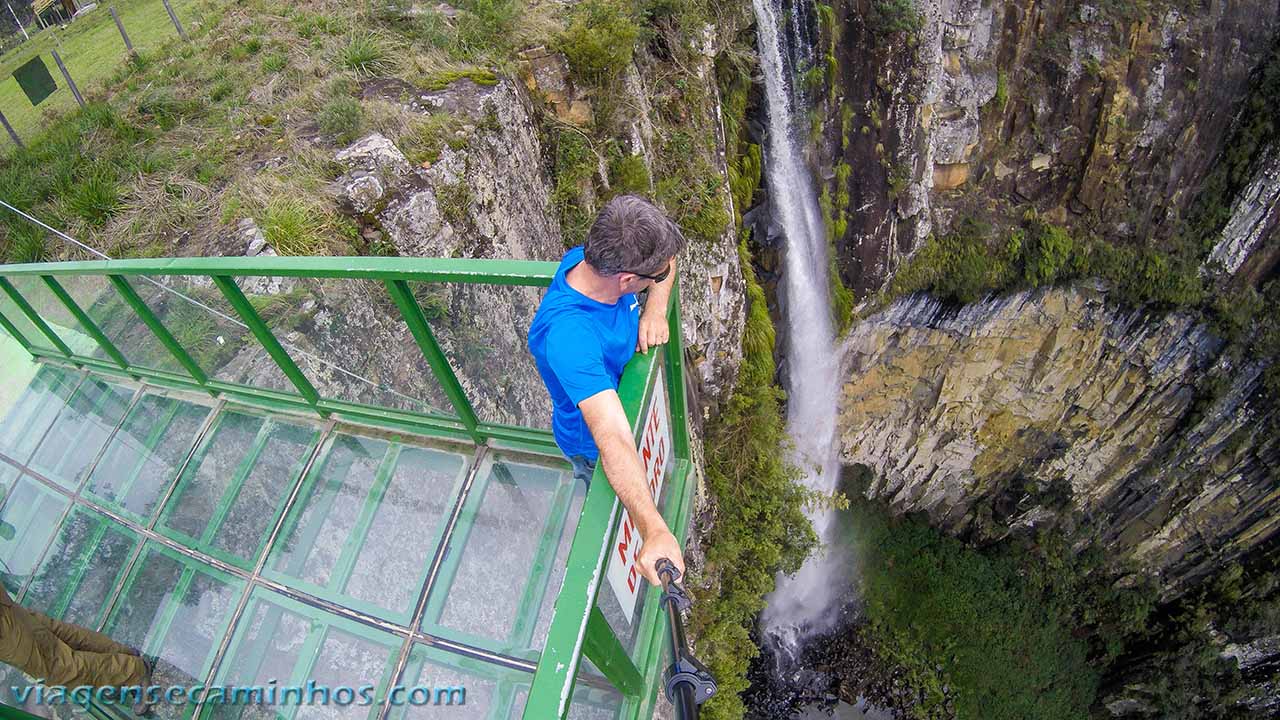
(575, 356)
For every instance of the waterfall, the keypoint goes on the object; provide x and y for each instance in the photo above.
(802, 603)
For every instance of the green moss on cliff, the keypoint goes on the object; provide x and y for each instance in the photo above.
(759, 527)
(975, 259)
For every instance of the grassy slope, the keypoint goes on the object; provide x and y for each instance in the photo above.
(92, 49)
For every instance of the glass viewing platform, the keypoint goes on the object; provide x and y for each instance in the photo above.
(275, 471)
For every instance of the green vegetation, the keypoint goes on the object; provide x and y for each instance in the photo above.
(366, 54)
(485, 28)
(759, 526)
(575, 163)
(953, 617)
(629, 174)
(1002, 90)
(428, 137)
(445, 78)
(891, 17)
(1255, 130)
(294, 227)
(1023, 628)
(341, 117)
(95, 196)
(599, 39)
(973, 260)
(93, 51)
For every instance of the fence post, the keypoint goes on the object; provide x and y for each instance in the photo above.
(174, 18)
(15, 19)
(12, 135)
(120, 26)
(70, 83)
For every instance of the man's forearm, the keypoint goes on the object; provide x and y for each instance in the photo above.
(660, 293)
(626, 474)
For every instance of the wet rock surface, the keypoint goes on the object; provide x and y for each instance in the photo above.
(840, 666)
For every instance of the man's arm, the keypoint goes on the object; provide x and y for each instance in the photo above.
(608, 424)
(653, 323)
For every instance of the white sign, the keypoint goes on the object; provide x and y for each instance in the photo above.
(655, 452)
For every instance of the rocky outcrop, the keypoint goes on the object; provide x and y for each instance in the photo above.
(1100, 116)
(1060, 408)
(1255, 215)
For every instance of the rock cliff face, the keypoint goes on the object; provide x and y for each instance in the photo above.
(1057, 407)
(1101, 116)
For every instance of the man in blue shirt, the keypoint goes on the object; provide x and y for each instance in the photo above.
(586, 329)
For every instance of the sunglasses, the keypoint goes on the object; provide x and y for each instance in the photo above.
(656, 278)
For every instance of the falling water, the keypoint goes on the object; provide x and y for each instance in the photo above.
(803, 603)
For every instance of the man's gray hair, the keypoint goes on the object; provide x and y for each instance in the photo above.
(630, 234)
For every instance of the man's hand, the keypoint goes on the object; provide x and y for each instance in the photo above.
(654, 330)
(662, 545)
(653, 323)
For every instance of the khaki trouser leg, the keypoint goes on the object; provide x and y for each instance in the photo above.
(29, 643)
(66, 665)
(81, 638)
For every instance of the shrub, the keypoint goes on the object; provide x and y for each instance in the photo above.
(342, 117)
(599, 40)
(294, 227)
(1047, 255)
(950, 614)
(25, 243)
(485, 26)
(629, 174)
(890, 17)
(575, 162)
(366, 55)
(95, 197)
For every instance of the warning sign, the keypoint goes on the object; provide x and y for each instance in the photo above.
(655, 453)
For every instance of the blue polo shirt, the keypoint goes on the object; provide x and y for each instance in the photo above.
(581, 346)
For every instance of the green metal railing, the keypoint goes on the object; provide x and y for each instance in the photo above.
(578, 626)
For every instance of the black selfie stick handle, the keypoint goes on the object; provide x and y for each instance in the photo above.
(689, 683)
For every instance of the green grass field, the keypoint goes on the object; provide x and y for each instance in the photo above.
(92, 49)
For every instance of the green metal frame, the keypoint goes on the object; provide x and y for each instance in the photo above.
(577, 627)
(229, 496)
(394, 273)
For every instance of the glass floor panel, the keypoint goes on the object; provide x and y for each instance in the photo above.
(367, 522)
(35, 410)
(459, 687)
(144, 456)
(77, 436)
(287, 644)
(29, 518)
(178, 609)
(507, 557)
(81, 568)
(282, 549)
(235, 488)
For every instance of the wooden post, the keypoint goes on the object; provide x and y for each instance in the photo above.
(172, 16)
(70, 83)
(120, 26)
(12, 134)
